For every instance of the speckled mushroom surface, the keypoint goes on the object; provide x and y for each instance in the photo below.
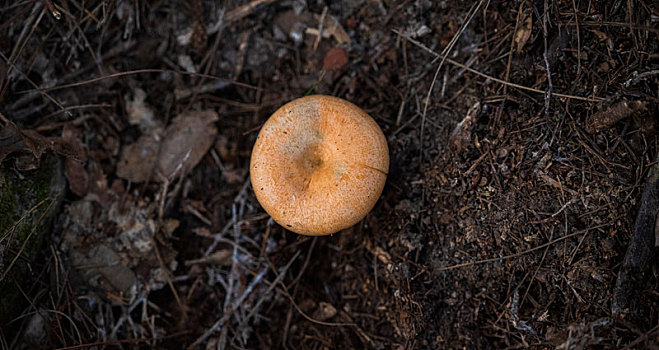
(319, 165)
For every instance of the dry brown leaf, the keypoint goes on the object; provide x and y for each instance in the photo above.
(36, 142)
(101, 266)
(32, 145)
(138, 159)
(182, 145)
(77, 177)
(523, 32)
(335, 58)
(185, 142)
(27, 161)
(74, 169)
(11, 141)
(324, 312)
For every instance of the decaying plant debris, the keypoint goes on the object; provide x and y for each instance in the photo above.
(521, 136)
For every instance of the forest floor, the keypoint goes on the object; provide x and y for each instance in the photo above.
(520, 136)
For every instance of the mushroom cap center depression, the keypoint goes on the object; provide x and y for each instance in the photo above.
(319, 165)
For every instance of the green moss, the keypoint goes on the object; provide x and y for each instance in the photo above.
(28, 202)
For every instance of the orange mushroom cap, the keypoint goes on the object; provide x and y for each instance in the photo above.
(319, 165)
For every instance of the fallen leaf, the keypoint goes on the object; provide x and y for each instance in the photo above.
(36, 142)
(524, 31)
(335, 58)
(324, 312)
(185, 142)
(74, 168)
(72, 140)
(32, 145)
(138, 159)
(77, 177)
(182, 145)
(11, 141)
(101, 266)
(26, 162)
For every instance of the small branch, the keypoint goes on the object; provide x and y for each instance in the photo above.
(632, 277)
(550, 87)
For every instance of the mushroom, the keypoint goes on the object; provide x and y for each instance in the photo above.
(319, 165)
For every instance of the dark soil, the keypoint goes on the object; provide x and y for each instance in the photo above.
(520, 135)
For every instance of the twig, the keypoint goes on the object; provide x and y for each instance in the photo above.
(320, 29)
(305, 264)
(576, 20)
(444, 55)
(497, 80)
(57, 312)
(236, 304)
(309, 318)
(219, 236)
(53, 10)
(53, 100)
(639, 77)
(272, 286)
(27, 24)
(554, 214)
(485, 261)
(535, 273)
(34, 228)
(138, 71)
(168, 274)
(550, 87)
(106, 343)
(643, 337)
(245, 10)
(71, 108)
(478, 161)
(510, 52)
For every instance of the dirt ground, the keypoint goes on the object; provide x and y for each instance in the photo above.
(520, 136)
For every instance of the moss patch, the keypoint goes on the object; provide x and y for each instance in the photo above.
(28, 202)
